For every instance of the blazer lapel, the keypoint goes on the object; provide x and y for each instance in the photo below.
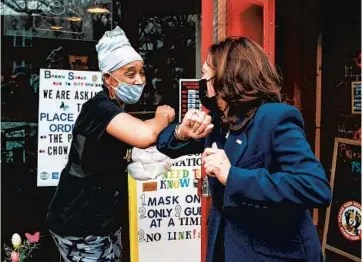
(215, 133)
(236, 144)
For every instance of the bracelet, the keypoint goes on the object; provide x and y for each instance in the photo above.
(176, 134)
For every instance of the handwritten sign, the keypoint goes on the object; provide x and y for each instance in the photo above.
(61, 96)
(356, 97)
(165, 215)
(349, 131)
(189, 95)
(342, 232)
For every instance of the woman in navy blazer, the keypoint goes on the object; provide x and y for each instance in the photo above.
(263, 175)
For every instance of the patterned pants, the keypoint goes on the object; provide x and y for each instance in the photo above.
(90, 248)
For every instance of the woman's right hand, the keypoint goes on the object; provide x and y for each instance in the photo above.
(195, 125)
(167, 111)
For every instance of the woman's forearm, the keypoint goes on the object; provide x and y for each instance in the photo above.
(156, 125)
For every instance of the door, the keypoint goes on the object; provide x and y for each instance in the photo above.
(254, 19)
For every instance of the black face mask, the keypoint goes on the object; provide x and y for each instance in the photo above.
(208, 102)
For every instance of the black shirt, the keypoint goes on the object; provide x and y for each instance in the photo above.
(89, 196)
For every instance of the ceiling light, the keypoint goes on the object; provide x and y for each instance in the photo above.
(74, 19)
(97, 8)
(56, 27)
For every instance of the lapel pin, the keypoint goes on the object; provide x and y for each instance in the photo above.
(239, 141)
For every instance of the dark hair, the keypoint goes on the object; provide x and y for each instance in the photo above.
(244, 77)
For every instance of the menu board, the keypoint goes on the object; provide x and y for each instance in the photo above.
(356, 97)
(342, 232)
(189, 95)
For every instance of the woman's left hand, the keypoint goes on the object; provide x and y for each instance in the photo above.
(216, 163)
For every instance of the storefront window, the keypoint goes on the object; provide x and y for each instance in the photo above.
(168, 45)
(69, 19)
(62, 35)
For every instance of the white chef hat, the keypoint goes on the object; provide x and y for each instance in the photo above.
(115, 51)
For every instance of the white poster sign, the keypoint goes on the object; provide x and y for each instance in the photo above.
(61, 96)
(165, 215)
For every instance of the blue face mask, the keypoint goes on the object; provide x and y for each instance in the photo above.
(129, 94)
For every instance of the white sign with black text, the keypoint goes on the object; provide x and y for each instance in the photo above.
(61, 96)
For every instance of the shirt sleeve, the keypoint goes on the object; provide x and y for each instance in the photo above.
(96, 115)
(173, 148)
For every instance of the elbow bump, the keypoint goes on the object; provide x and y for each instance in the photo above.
(147, 140)
(143, 146)
(153, 137)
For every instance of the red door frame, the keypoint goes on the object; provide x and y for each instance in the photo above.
(234, 8)
(206, 41)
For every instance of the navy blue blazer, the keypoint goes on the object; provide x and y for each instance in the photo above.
(273, 181)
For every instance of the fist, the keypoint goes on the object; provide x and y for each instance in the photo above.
(195, 125)
(166, 110)
(216, 163)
